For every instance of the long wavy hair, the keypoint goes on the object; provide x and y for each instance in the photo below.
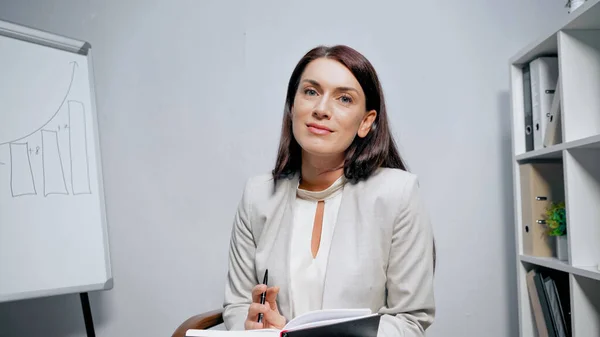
(364, 155)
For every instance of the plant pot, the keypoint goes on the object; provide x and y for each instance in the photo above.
(562, 248)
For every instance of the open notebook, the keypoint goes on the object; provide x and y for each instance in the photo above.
(329, 322)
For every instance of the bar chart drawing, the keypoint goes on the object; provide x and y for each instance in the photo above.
(52, 163)
(21, 177)
(54, 150)
(80, 170)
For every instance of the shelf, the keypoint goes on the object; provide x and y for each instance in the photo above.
(542, 47)
(585, 17)
(582, 172)
(548, 262)
(562, 281)
(586, 306)
(556, 151)
(551, 152)
(591, 273)
(555, 264)
(568, 171)
(579, 66)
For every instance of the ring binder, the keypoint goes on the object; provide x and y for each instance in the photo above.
(541, 183)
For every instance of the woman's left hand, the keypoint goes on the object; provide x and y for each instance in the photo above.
(272, 319)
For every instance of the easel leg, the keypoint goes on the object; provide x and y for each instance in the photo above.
(87, 315)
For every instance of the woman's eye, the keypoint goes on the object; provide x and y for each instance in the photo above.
(310, 92)
(346, 99)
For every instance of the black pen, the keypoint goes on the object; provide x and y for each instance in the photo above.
(263, 296)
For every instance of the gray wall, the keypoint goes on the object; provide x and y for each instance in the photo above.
(190, 95)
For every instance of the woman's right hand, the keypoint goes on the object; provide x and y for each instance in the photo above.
(272, 319)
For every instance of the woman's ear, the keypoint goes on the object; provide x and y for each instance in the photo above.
(367, 123)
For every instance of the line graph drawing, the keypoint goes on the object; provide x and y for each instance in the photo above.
(75, 65)
(21, 177)
(80, 170)
(60, 138)
(54, 173)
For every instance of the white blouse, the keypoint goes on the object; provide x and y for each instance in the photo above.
(308, 273)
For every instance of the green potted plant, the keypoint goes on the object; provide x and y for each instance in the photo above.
(556, 222)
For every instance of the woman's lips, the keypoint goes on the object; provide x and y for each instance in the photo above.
(319, 129)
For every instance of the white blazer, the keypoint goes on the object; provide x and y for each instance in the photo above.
(381, 254)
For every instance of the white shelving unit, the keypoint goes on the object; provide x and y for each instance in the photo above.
(576, 43)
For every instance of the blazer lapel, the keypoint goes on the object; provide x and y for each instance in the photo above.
(339, 252)
(279, 256)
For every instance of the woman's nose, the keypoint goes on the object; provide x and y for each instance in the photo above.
(322, 110)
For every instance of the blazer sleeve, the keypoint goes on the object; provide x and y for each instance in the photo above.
(410, 305)
(240, 276)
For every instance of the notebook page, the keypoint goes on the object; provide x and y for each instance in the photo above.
(325, 316)
(224, 333)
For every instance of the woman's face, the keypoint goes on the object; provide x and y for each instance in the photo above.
(329, 109)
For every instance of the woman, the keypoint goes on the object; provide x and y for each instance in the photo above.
(339, 223)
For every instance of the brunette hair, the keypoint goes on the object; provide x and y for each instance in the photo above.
(364, 155)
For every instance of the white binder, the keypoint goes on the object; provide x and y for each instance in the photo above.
(553, 134)
(544, 76)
